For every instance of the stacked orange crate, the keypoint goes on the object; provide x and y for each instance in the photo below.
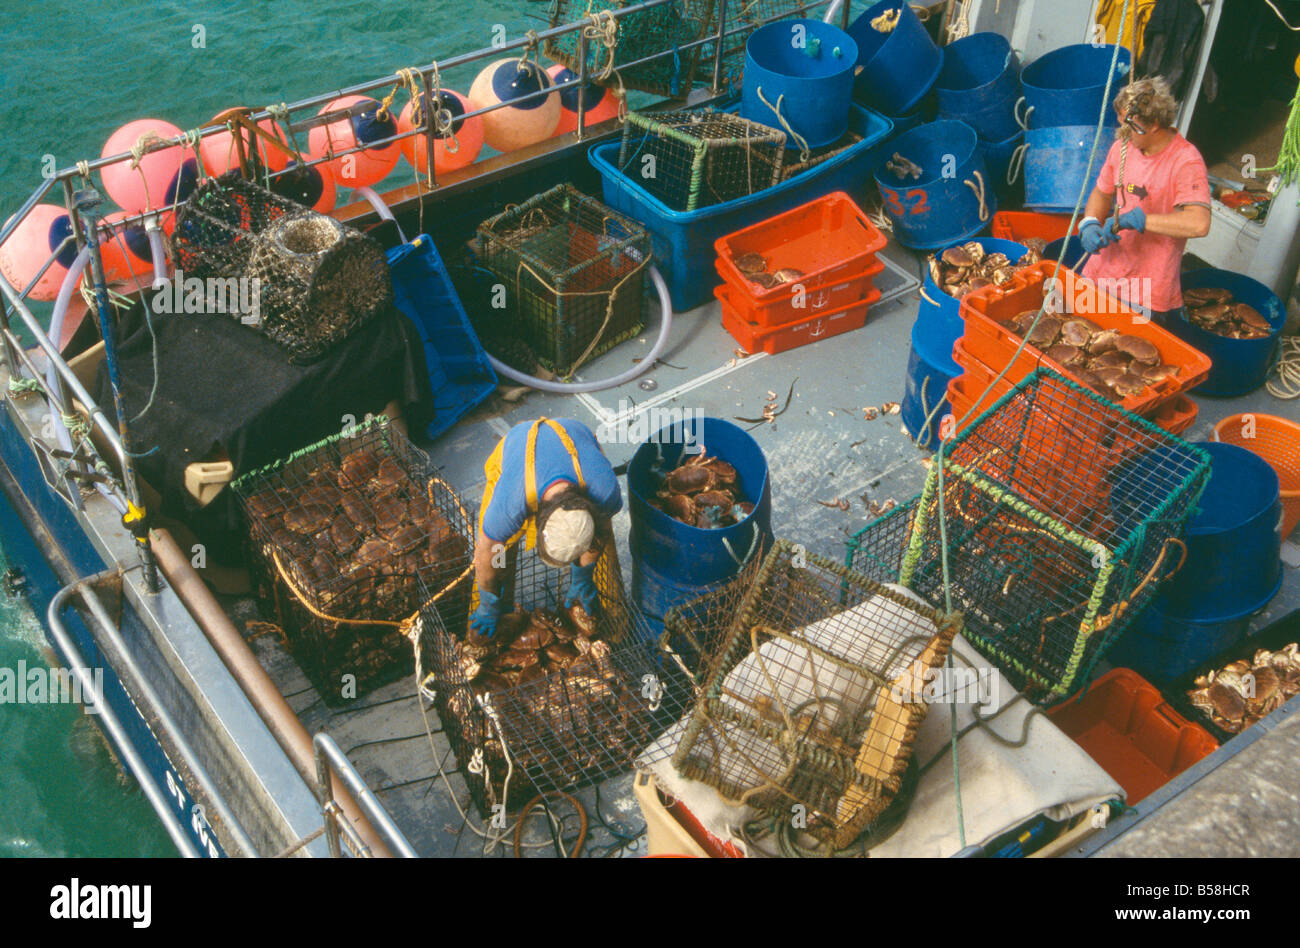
(831, 246)
(990, 343)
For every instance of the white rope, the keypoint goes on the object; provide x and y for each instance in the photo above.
(979, 193)
(1293, 29)
(804, 150)
(1287, 370)
(961, 28)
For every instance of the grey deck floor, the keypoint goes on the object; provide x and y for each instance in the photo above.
(820, 449)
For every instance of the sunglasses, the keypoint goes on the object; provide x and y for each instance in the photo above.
(1131, 121)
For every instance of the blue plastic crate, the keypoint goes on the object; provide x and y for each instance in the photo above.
(459, 371)
(683, 240)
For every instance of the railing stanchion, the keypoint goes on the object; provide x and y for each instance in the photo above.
(717, 49)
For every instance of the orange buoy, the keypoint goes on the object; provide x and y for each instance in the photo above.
(528, 122)
(124, 248)
(601, 104)
(363, 168)
(163, 177)
(219, 154)
(455, 150)
(309, 185)
(25, 251)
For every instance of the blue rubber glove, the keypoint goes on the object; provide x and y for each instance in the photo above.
(582, 588)
(484, 620)
(1135, 219)
(1093, 236)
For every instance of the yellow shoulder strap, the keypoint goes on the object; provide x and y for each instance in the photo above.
(530, 470)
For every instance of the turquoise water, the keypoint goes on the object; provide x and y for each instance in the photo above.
(71, 73)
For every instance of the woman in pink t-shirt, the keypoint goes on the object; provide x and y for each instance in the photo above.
(1162, 200)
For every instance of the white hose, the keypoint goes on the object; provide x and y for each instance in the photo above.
(833, 9)
(380, 207)
(577, 388)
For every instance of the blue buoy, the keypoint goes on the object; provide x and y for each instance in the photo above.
(673, 562)
(1056, 165)
(953, 198)
(1239, 365)
(1068, 86)
(979, 84)
(899, 66)
(799, 73)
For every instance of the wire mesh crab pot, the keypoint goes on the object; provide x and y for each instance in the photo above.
(876, 551)
(313, 280)
(695, 158)
(818, 155)
(1063, 514)
(639, 35)
(814, 697)
(548, 703)
(349, 537)
(574, 273)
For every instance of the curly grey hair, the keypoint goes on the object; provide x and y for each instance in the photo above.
(1149, 100)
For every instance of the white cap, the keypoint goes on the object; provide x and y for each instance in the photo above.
(566, 536)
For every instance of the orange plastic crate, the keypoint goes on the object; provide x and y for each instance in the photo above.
(1127, 727)
(1021, 225)
(829, 239)
(782, 310)
(988, 338)
(772, 340)
(1176, 415)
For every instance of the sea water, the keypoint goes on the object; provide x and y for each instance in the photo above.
(72, 72)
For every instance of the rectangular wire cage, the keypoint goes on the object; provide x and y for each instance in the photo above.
(814, 695)
(548, 704)
(349, 537)
(638, 35)
(876, 551)
(311, 280)
(818, 155)
(1063, 514)
(573, 272)
(695, 158)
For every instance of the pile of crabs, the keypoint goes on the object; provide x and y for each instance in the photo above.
(1113, 364)
(1212, 308)
(701, 491)
(964, 269)
(756, 270)
(556, 694)
(354, 532)
(1242, 692)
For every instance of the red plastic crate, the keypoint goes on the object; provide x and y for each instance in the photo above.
(988, 339)
(829, 239)
(782, 310)
(1175, 415)
(1127, 727)
(753, 337)
(1021, 225)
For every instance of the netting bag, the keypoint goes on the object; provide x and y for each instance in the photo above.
(695, 158)
(574, 275)
(551, 704)
(314, 280)
(814, 696)
(349, 537)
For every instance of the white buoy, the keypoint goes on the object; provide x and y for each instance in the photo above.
(528, 122)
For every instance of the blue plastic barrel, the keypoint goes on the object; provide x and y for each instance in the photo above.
(997, 157)
(673, 562)
(1162, 648)
(1068, 86)
(943, 205)
(1239, 365)
(979, 83)
(898, 67)
(1056, 165)
(1234, 541)
(925, 112)
(930, 365)
(800, 71)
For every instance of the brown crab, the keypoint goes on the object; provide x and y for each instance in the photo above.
(751, 263)
(357, 467)
(308, 519)
(1141, 350)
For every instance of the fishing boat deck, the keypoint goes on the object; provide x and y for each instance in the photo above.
(820, 450)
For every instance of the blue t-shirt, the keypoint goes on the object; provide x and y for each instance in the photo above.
(509, 507)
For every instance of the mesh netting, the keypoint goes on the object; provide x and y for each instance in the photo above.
(549, 703)
(574, 275)
(344, 536)
(817, 155)
(746, 16)
(313, 280)
(696, 158)
(639, 35)
(1063, 514)
(814, 695)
